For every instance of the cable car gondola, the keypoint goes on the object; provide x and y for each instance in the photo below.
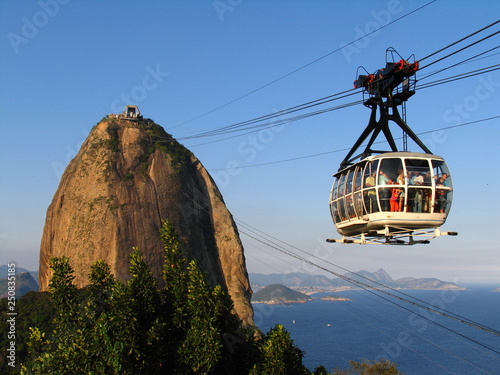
(390, 197)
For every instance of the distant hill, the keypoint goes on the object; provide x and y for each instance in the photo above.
(425, 284)
(4, 271)
(298, 279)
(290, 279)
(277, 294)
(24, 283)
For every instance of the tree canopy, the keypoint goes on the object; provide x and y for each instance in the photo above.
(110, 327)
(136, 327)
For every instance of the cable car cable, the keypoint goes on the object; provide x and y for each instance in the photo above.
(402, 308)
(279, 122)
(268, 125)
(489, 69)
(303, 66)
(230, 128)
(423, 338)
(317, 102)
(350, 280)
(443, 312)
(375, 282)
(347, 149)
(236, 126)
(476, 42)
(460, 40)
(371, 288)
(329, 109)
(427, 85)
(384, 316)
(470, 59)
(333, 97)
(276, 114)
(362, 285)
(398, 307)
(460, 50)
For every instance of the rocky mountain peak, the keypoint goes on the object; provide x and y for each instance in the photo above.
(128, 177)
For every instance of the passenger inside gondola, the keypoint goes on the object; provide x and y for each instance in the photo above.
(391, 172)
(443, 186)
(371, 194)
(384, 192)
(415, 194)
(401, 192)
(419, 185)
(348, 196)
(395, 199)
(369, 183)
(441, 193)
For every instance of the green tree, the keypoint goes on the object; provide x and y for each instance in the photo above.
(174, 293)
(382, 367)
(175, 276)
(64, 292)
(279, 355)
(101, 289)
(66, 353)
(143, 298)
(320, 370)
(202, 347)
(109, 323)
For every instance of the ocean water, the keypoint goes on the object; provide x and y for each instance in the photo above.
(371, 328)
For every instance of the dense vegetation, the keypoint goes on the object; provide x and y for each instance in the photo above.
(110, 327)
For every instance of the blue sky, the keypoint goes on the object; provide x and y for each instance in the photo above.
(193, 66)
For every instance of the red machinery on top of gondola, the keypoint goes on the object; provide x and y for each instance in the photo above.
(392, 75)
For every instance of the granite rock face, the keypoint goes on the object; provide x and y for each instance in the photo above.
(128, 176)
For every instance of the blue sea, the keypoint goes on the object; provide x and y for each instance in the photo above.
(373, 326)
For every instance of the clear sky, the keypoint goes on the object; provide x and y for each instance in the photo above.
(194, 66)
